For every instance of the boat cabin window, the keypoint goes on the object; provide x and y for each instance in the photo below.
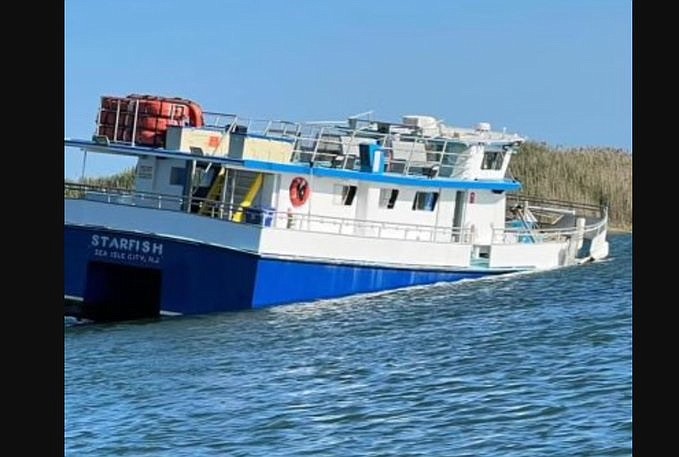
(492, 160)
(344, 195)
(433, 148)
(425, 201)
(388, 198)
(177, 176)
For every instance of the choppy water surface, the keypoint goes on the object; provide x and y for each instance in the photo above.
(537, 364)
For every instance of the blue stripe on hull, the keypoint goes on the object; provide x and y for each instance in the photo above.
(284, 281)
(198, 279)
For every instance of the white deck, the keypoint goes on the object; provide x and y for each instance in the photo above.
(331, 239)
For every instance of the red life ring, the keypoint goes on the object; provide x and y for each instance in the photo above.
(300, 191)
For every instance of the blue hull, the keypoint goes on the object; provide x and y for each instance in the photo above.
(184, 277)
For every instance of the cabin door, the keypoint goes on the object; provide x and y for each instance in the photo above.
(460, 206)
(458, 214)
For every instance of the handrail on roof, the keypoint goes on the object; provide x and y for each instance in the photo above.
(336, 144)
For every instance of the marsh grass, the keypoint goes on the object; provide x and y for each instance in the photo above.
(587, 175)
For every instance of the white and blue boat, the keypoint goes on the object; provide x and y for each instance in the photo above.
(228, 213)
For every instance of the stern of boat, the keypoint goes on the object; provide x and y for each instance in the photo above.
(541, 233)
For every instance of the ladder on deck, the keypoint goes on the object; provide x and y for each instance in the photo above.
(249, 197)
(214, 193)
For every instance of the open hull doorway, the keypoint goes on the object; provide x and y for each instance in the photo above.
(120, 292)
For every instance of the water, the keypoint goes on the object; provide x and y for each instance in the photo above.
(537, 364)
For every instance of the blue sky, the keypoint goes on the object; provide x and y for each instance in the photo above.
(557, 71)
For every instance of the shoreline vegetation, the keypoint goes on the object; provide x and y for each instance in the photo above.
(586, 175)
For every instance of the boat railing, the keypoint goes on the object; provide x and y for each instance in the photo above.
(529, 234)
(549, 220)
(324, 144)
(406, 148)
(555, 206)
(367, 228)
(268, 217)
(330, 146)
(232, 123)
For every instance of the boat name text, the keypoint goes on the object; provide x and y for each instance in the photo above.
(126, 248)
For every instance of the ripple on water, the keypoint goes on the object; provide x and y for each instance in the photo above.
(534, 364)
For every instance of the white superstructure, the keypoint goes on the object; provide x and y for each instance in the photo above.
(415, 195)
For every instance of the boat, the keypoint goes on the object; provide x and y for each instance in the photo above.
(230, 213)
